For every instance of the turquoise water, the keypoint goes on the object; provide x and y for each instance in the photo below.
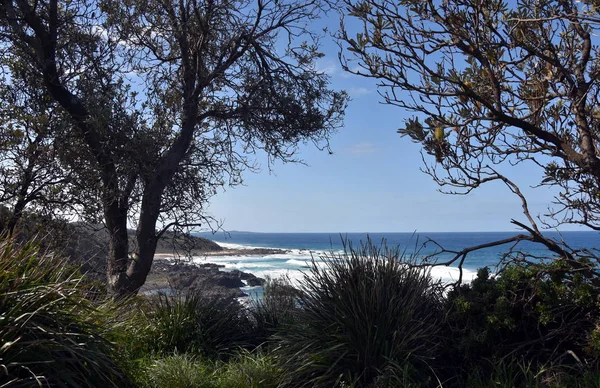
(301, 247)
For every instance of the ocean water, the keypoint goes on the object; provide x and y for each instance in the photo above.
(302, 247)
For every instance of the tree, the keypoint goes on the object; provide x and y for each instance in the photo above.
(493, 85)
(30, 173)
(167, 100)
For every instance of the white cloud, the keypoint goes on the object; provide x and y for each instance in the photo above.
(357, 92)
(327, 66)
(362, 149)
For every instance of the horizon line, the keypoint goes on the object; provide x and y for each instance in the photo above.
(414, 232)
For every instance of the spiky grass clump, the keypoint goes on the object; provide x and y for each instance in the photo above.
(513, 372)
(276, 309)
(244, 370)
(365, 317)
(50, 333)
(179, 371)
(251, 370)
(212, 327)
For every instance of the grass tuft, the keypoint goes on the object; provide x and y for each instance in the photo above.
(50, 333)
(363, 314)
(211, 327)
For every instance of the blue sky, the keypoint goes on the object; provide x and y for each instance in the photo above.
(371, 183)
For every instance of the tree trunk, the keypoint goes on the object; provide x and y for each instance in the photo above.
(140, 267)
(146, 236)
(136, 271)
(16, 215)
(22, 199)
(118, 253)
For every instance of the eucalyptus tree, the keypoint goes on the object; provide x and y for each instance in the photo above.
(168, 100)
(493, 85)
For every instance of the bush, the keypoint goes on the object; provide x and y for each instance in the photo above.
(212, 327)
(365, 317)
(537, 313)
(276, 309)
(516, 373)
(50, 334)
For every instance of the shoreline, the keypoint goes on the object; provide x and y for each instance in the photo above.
(174, 272)
(224, 252)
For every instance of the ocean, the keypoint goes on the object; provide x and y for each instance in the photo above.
(302, 247)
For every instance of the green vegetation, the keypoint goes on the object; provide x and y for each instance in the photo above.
(362, 318)
(51, 333)
(246, 370)
(529, 325)
(208, 326)
(217, 86)
(365, 319)
(493, 85)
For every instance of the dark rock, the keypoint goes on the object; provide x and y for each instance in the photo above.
(206, 278)
(255, 281)
(230, 282)
(265, 251)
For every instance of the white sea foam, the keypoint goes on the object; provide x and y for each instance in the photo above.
(235, 246)
(290, 253)
(247, 266)
(293, 275)
(299, 263)
(451, 274)
(296, 263)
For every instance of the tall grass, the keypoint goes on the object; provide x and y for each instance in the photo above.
(521, 373)
(365, 317)
(50, 333)
(251, 370)
(212, 327)
(179, 371)
(276, 309)
(244, 370)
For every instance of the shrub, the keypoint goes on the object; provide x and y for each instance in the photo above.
(244, 370)
(364, 316)
(535, 312)
(205, 325)
(50, 334)
(277, 308)
(519, 373)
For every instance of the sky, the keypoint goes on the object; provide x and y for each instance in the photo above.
(371, 183)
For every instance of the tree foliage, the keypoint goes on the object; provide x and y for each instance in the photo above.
(494, 86)
(31, 175)
(165, 101)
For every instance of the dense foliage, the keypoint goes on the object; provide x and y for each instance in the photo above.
(119, 125)
(51, 334)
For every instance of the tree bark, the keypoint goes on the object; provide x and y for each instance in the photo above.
(118, 250)
(146, 239)
(16, 215)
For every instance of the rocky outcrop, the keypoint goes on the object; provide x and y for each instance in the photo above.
(209, 279)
